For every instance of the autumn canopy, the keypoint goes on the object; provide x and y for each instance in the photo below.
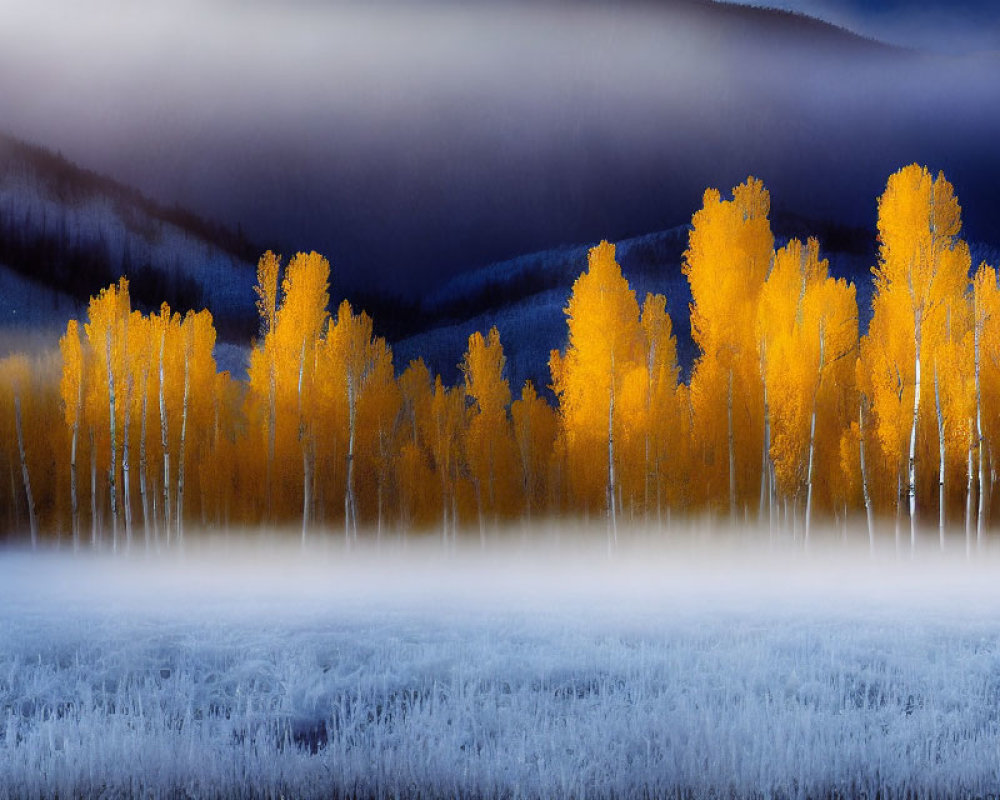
(129, 434)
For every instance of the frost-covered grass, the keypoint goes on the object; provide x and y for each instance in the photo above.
(514, 673)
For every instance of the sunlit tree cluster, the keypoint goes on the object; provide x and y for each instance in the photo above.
(129, 434)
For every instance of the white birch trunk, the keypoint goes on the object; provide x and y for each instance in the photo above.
(73, 500)
(180, 454)
(302, 444)
(864, 478)
(350, 506)
(809, 473)
(165, 437)
(126, 501)
(941, 458)
(26, 479)
(912, 463)
(612, 520)
(981, 517)
(272, 423)
(764, 465)
(113, 467)
(812, 438)
(732, 450)
(968, 497)
(899, 507)
(143, 466)
(73, 496)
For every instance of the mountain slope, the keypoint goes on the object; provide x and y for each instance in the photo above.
(65, 233)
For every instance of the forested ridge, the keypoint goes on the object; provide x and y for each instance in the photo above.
(129, 434)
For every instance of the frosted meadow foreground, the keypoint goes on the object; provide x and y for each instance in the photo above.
(549, 671)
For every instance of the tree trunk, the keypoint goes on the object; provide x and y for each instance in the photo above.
(809, 473)
(73, 500)
(180, 454)
(164, 435)
(143, 466)
(93, 491)
(899, 507)
(968, 497)
(912, 463)
(272, 422)
(126, 494)
(113, 467)
(303, 445)
(765, 493)
(32, 520)
(981, 517)
(864, 478)
(350, 506)
(941, 458)
(732, 450)
(612, 521)
(812, 437)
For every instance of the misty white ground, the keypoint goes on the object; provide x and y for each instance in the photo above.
(543, 671)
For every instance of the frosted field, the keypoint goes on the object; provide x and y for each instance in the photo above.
(549, 673)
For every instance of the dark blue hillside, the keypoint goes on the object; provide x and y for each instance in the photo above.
(525, 297)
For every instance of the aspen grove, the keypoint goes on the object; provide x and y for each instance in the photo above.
(129, 433)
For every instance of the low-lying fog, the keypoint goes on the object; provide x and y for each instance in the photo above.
(698, 569)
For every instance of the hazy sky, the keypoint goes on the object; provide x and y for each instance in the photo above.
(410, 140)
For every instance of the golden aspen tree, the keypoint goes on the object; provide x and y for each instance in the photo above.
(986, 356)
(71, 390)
(807, 329)
(264, 355)
(787, 372)
(282, 371)
(127, 384)
(144, 350)
(197, 342)
(351, 358)
(299, 322)
(605, 344)
(830, 329)
(167, 333)
(414, 479)
(534, 423)
(923, 269)
(727, 260)
(378, 409)
(954, 402)
(106, 333)
(94, 412)
(663, 433)
(443, 432)
(489, 442)
(632, 410)
(218, 475)
(51, 490)
(885, 405)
